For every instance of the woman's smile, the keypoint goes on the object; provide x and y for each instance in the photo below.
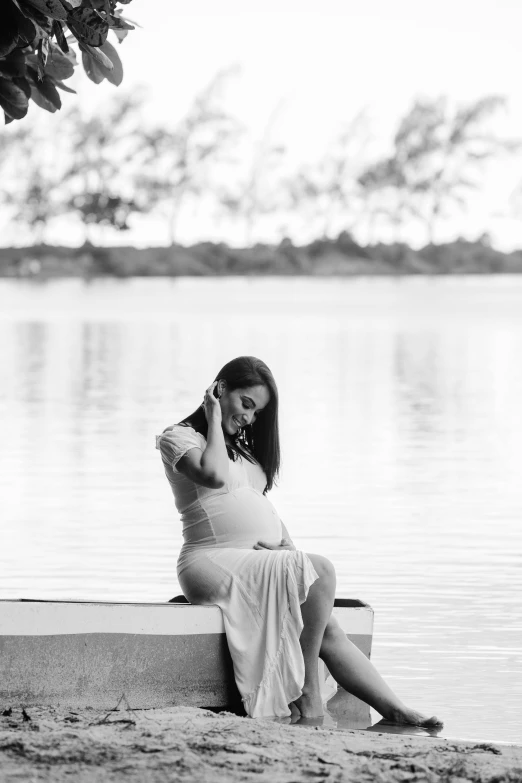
(241, 407)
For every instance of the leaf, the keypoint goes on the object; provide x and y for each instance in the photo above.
(41, 100)
(97, 54)
(60, 36)
(10, 17)
(15, 27)
(44, 92)
(119, 23)
(13, 64)
(13, 99)
(100, 5)
(71, 56)
(88, 26)
(34, 14)
(114, 75)
(27, 31)
(7, 42)
(7, 118)
(91, 68)
(121, 34)
(43, 53)
(64, 87)
(58, 66)
(32, 61)
(43, 32)
(59, 69)
(52, 8)
(23, 84)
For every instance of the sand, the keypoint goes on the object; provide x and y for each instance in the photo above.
(188, 744)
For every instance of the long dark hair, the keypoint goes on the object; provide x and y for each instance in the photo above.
(261, 437)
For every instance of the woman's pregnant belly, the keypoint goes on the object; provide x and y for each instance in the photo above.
(239, 518)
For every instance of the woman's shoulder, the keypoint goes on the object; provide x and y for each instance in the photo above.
(176, 433)
(179, 426)
(175, 441)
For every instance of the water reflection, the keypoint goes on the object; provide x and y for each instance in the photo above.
(402, 441)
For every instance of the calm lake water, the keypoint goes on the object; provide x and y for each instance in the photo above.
(401, 404)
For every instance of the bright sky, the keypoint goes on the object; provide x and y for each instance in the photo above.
(313, 64)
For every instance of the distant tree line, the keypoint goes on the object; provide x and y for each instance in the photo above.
(112, 165)
(341, 256)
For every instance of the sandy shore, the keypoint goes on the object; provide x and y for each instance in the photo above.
(187, 744)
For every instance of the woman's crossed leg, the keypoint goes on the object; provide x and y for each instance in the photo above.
(323, 637)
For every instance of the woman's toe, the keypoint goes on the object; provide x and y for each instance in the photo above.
(433, 721)
(417, 719)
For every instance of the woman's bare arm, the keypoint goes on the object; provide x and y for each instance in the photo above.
(209, 467)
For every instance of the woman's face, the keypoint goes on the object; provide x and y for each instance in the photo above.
(241, 407)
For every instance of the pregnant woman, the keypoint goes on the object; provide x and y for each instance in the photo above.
(237, 554)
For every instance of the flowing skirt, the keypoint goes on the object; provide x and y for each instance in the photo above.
(260, 593)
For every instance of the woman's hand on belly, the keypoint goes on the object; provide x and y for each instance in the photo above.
(283, 544)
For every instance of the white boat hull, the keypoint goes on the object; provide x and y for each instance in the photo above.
(86, 654)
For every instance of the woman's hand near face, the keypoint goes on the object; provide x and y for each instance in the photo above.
(215, 457)
(211, 405)
(209, 467)
(285, 543)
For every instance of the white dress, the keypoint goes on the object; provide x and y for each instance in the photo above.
(258, 591)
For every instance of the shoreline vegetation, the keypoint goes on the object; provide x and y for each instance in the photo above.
(196, 745)
(323, 257)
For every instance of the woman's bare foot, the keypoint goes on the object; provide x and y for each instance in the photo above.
(413, 718)
(388, 727)
(310, 704)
